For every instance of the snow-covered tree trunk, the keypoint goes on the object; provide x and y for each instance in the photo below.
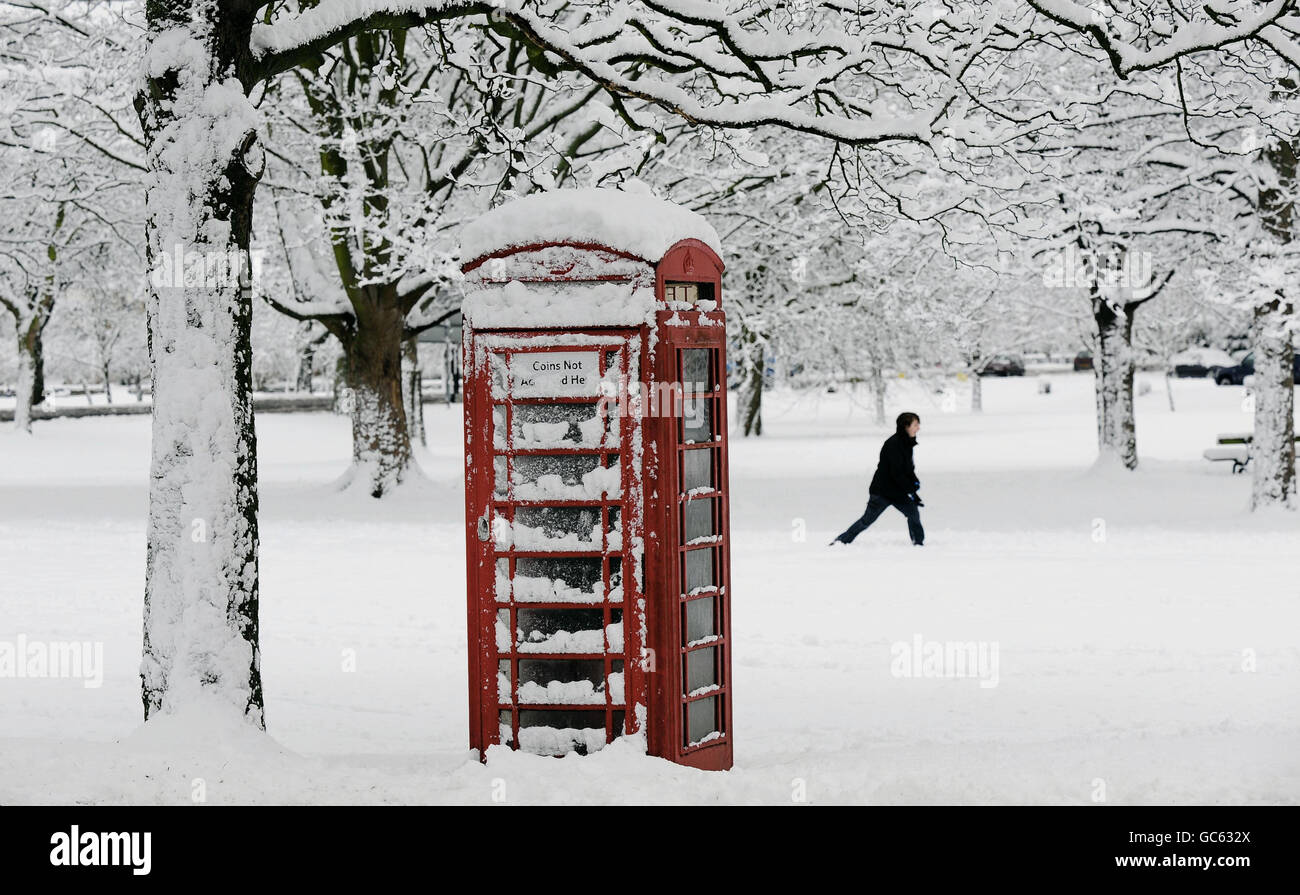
(31, 370)
(878, 389)
(752, 363)
(976, 387)
(412, 391)
(30, 318)
(381, 439)
(30, 388)
(307, 356)
(1116, 428)
(1273, 446)
(201, 591)
(108, 382)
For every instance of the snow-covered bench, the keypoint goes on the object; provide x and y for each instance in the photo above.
(1236, 437)
(1240, 456)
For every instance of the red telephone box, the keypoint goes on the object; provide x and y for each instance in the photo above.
(596, 478)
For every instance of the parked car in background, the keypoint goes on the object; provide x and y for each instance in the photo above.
(1197, 363)
(1003, 365)
(1236, 374)
(1083, 361)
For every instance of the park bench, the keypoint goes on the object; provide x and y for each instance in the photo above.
(1237, 450)
(1240, 456)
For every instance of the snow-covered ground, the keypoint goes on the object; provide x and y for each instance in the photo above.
(1145, 624)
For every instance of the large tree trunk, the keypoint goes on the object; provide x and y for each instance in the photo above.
(31, 371)
(976, 390)
(753, 363)
(1273, 446)
(307, 356)
(412, 390)
(381, 441)
(1116, 428)
(201, 592)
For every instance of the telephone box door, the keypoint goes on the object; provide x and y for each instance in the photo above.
(554, 504)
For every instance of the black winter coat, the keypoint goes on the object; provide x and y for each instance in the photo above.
(895, 476)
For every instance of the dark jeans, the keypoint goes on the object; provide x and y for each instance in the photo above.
(877, 505)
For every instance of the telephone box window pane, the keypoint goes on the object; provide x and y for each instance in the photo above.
(614, 631)
(698, 522)
(701, 670)
(614, 529)
(499, 476)
(701, 720)
(699, 570)
(619, 723)
(504, 693)
(557, 528)
(502, 588)
(697, 370)
(562, 681)
(699, 619)
(499, 427)
(503, 727)
(697, 470)
(697, 420)
(563, 426)
(558, 732)
(616, 578)
(545, 579)
(565, 477)
(561, 631)
(497, 374)
(504, 637)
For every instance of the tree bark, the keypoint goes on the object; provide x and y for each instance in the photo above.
(751, 392)
(1116, 427)
(412, 389)
(879, 387)
(381, 440)
(1273, 481)
(307, 356)
(1273, 445)
(201, 645)
(976, 389)
(108, 385)
(31, 371)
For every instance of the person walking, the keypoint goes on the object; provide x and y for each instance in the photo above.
(894, 484)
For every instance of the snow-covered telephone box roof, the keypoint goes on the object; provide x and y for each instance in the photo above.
(636, 224)
(588, 257)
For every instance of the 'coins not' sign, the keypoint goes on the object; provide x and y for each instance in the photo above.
(555, 374)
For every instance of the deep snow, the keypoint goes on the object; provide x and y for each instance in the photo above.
(1122, 660)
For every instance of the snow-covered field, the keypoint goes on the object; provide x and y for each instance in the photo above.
(1145, 625)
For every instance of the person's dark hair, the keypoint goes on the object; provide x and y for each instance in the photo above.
(906, 419)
